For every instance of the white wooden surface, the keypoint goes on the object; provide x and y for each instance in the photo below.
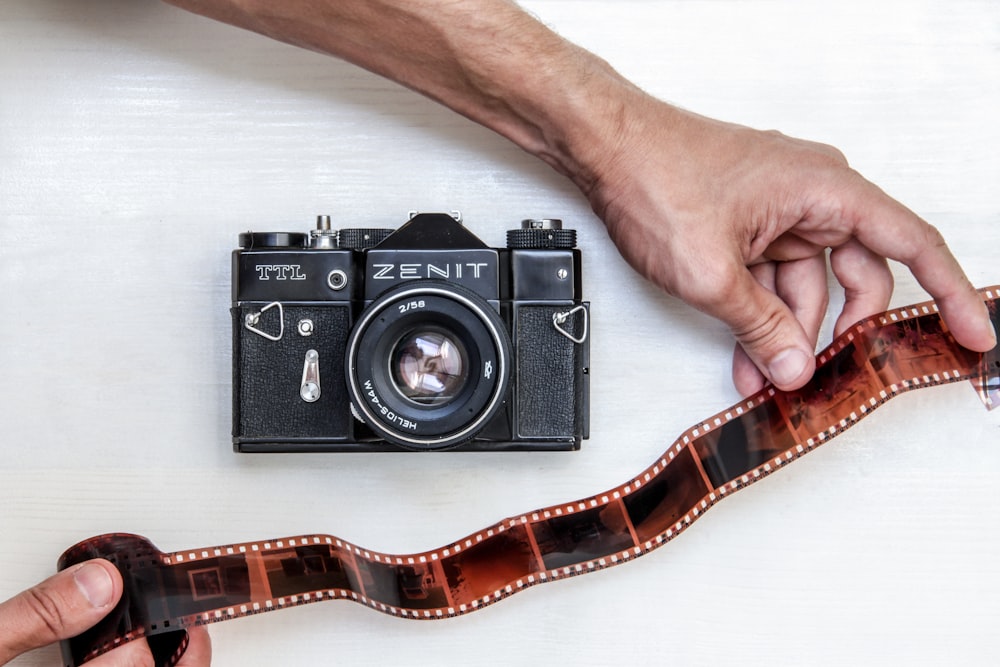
(136, 141)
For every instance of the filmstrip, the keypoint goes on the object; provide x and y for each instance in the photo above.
(877, 359)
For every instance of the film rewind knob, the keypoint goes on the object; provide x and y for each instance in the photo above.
(541, 233)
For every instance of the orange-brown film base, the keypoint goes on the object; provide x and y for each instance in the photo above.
(877, 359)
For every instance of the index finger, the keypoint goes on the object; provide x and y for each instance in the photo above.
(890, 229)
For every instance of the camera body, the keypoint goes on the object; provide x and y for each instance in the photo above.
(415, 339)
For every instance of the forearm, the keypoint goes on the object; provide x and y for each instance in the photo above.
(486, 59)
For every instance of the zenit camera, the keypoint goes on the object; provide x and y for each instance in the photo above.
(420, 338)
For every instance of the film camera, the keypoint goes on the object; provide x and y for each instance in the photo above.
(420, 338)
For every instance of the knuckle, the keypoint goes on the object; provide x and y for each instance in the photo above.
(828, 151)
(833, 152)
(711, 287)
(758, 329)
(934, 237)
(46, 610)
(927, 246)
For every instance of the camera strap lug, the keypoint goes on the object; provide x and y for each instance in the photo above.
(559, 319)
(253, 319)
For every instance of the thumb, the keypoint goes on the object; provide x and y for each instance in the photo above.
(60, 607)
(766, 329)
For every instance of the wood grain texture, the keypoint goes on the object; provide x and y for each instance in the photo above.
(136, 141)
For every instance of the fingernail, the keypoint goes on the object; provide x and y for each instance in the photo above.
(986, 322)
(96, 585)
(787, 366)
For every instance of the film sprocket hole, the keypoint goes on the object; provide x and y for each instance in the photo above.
(420, 338)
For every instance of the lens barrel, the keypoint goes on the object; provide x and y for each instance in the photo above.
(428, 365)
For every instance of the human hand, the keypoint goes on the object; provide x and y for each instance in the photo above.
(736, 222)
(72, 601)
(733, 221)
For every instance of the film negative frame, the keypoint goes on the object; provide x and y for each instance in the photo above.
(878, 358)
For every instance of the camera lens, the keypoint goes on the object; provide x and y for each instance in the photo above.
(428, 364)
(429, 367)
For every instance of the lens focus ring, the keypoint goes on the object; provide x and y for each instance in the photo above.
(428, 365)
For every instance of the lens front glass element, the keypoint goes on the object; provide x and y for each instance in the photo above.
(429, 366)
